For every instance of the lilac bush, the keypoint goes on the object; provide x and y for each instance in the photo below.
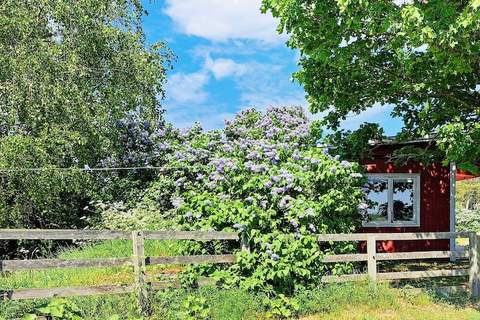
(265, 175)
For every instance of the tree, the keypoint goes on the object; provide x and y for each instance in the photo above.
(420, 55)
(69, 71)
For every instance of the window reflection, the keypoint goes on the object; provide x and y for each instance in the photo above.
(377, 200)
(403, 200)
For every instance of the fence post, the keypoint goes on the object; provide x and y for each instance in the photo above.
(372, 259)
(244, 241)
(139, 270)
(473, 267)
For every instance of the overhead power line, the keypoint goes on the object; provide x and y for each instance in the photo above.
(86, 169)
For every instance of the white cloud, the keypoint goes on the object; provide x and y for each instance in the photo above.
(221, 20)
(222, 68)
(188, 87)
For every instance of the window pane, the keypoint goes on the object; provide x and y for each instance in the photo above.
(377, 200)
(403, 199)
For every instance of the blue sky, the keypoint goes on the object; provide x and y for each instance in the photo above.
(230, 57)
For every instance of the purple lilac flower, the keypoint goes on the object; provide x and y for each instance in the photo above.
(250, 199)
(333, 170)
(263, 204)
(254, 155)
(275, 178)
(275, 257)
(296, 155)
(268, 184)
(276, 191)
(285, 202)
(269, 252)
(294, 223)
(177, 202)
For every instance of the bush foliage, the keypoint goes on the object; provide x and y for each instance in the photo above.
(265, 175)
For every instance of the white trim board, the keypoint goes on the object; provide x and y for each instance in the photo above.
(416, 205)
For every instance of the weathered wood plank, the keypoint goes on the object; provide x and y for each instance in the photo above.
(221, 258)
(139, 270)
(36, 264)
(191, 235)
(473, 280)
(345, 258)
(392, 236)
(344, 278)
(52, 234)
(420, 255)
(421, 274)
(21, 294)
(372, 257)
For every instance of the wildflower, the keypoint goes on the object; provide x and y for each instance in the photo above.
(333, 170)
(356, 175)
(275, 257)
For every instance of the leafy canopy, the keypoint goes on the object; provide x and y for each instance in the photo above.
(69, 72)
(420, 55)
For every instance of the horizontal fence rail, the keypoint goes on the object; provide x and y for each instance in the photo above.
(372, 256)
(144, 283)
(138, 260)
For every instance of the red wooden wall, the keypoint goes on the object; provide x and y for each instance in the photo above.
(434, 201)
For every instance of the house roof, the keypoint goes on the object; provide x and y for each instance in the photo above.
(394, 141)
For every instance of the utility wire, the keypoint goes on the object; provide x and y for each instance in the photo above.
(86, 169)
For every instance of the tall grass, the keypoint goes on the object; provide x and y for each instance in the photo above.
(337, 301)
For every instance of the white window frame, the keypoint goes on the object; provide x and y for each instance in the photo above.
(416, 203)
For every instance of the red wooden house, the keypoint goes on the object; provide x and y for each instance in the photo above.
(409, 198)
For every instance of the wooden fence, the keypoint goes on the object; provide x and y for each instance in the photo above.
(372, 256)
(140, 261)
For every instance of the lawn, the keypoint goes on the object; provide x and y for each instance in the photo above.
(336, 301)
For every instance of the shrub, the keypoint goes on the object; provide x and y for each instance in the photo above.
(267, 176)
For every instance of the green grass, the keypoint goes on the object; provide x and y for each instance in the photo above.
(88, 276)
(363, 301)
